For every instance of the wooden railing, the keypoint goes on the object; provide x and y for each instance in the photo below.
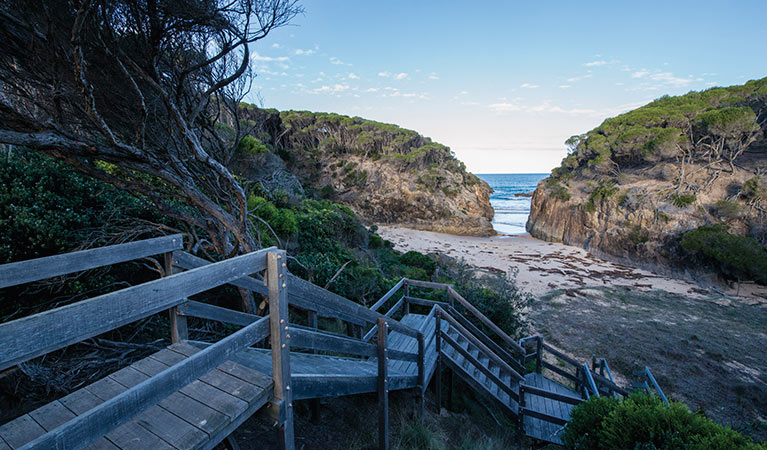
(29, 337)
(646, 375)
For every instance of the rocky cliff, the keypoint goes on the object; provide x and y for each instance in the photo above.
(631, 187)
(386, 174)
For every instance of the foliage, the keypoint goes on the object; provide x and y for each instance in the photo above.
(660, 129)
(643, 421)
(604, 190)
(47, 208)
(755, 187)
(251, 145)
(415, 259)
(727, 209)
(738, 257)
(682, 200)
(556, 190)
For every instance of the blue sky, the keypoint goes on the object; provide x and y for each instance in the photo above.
(505, 83)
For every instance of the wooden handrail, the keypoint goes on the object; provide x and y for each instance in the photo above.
(388, 295)
(95, 423)
(32, 336)
(482, 347)
(552, 395)
(485, 321)
(21, 272)
(497, 349)
(476, 363)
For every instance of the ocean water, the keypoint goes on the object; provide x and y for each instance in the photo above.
(511, 212)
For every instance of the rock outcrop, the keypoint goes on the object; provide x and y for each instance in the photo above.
(629, 188)
(386, 174)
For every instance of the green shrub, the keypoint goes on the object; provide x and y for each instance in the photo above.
(643, 421)
(637, 235)
(375, 241)
(556, 190)
(755, 188)
(727, 209)
(251, 145)
(733, 256)
(415, 259)
(682, 200)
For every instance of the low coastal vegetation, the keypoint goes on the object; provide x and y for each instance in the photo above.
(633, 186)
(644, 422)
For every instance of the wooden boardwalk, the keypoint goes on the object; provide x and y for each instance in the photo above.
(193, 395)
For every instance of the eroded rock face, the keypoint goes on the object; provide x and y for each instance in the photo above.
(391, 194)
(386, 174)
(631, 187)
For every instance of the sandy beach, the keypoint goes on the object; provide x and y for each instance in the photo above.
(545, 266)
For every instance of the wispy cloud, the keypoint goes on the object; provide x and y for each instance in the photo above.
(338, 62)
(433, 76)
(640, 74)
(332, 89)
(384, 74)
(504, 107)
(582, 77)
(354, 76)
(564, 86)
(529, 86)
(257, 57)
(595, 63)
(400, 76)
(275, 45)
(304, 52)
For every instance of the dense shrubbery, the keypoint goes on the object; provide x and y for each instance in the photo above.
(644, 422)
(736, 257)
(47, 208)
(661, 128)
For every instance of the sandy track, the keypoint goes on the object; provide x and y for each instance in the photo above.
(545, 266)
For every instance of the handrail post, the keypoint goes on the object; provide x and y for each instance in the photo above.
(315, 402)
(383, 387)
(521, 412)
(438, 344)
(178, 327)
(421, 374)
(280, 338)
(538, 355)
(406, 302)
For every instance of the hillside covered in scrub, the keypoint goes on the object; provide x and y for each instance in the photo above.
(680, 181)
(385, 173)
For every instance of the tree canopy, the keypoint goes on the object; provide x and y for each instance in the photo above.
(133, 91)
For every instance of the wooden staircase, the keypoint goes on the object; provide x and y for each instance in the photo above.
(194, 394)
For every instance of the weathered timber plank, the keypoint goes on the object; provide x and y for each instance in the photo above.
(127, 434)
(297, 299)
(107, 416)
(174, 429)
(21, 431)
(558, 396)
(35, 335)
(52, 415)
(426, 284)
(489, 323)
(483, 368)
(492, 345)
(388, 295)
(309, 339)
(497, 359)
(561, 355)
(171, 428)
(188, 409)
(21, 272)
